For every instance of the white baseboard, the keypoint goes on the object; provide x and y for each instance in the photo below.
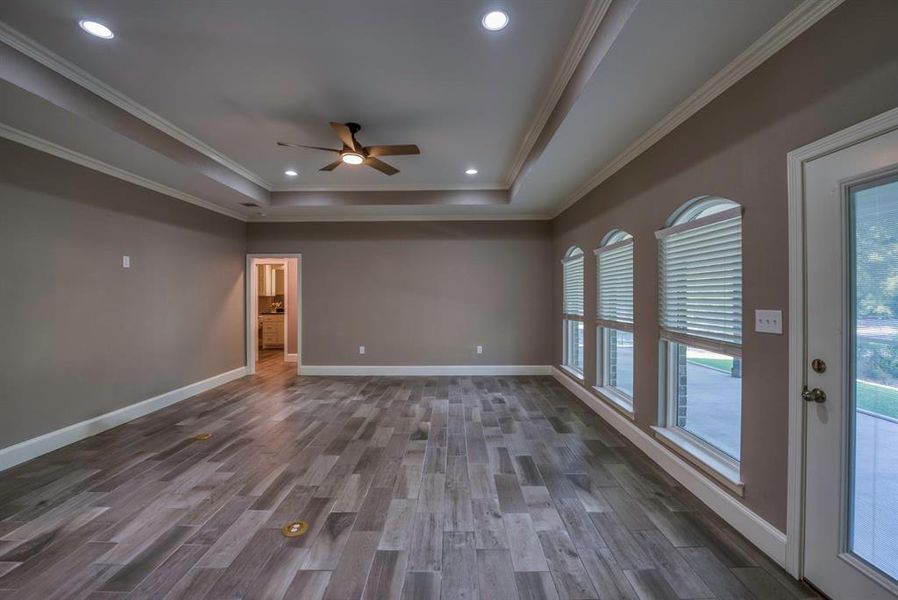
(24, 451)
(762, 534)
(291, 358)
(426, 370)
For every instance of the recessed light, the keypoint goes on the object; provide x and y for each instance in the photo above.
(96, 29)
(291, 173)
(494, 20)
(352, 158)
(471, 171)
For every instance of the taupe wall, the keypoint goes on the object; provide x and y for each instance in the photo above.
(417, 293)
(80, 336)
(840, 72)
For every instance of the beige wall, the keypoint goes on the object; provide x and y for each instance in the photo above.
(842, 71)
(417, 293)
(81, 336)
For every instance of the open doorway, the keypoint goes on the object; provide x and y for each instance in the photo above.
(273, 310)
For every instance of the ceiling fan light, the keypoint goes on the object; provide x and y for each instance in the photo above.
(352, 158)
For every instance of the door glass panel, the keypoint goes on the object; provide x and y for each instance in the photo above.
(873, 522)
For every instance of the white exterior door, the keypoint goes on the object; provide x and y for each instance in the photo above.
(851, 477)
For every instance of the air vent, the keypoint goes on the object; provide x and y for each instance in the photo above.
(249, 204)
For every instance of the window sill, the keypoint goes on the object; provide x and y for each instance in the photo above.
(618, 401)
(720, 469)
(572, 373)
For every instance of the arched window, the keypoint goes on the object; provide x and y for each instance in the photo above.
(700, 313)
(572, 273)
(614, 319)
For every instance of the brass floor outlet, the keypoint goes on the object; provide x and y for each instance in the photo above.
(202, 436)
(295, 528)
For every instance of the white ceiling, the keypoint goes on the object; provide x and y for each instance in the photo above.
(241, 76)
(666, 51)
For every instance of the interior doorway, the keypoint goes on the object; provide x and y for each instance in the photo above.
(273, 309)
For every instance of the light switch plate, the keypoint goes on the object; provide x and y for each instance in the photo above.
(479, 349)
(361, 349)
(126, 262)
(769, 321)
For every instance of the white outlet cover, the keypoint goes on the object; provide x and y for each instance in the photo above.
(126, 262)
(479, 349)
(361, 349)
(769, 321)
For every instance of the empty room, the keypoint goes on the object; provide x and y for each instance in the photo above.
(431, 299)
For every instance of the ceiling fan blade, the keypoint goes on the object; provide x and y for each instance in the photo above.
(332, 166)
(395, 150)
(345, 135)
(310, 147)
(381, 166)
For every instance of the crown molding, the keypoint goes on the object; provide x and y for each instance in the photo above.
(586, 29)
(791, 26)
(375, 218)
(396, 187)
(17, 40)
(32, 141)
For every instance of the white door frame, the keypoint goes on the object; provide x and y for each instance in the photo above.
(878, 125)
(285, 263)
(252, 309)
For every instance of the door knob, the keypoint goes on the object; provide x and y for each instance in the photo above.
(814, 395)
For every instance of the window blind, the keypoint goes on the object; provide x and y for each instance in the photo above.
(614, 287)
(700, 287)
(572, 267)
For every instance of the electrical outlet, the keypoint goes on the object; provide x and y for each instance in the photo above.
(361, 349)
(479, 349)
(126, 262)
(769, 321)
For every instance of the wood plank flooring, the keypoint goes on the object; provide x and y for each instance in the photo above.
(413, 488)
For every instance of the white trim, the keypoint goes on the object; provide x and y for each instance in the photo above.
(375, 218)
(795, 164)
(589, 23)
(426, 370)
(572, 372)
(710, 460)
(791, 26)
(712, 219)
(24, 451)
(32, 141)
(617, 400)
(388, 187)
(252, 310)
(758, 531)
(51, 60)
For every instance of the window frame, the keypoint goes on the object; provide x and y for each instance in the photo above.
(615, 396)
(571, 319)
(703, 211)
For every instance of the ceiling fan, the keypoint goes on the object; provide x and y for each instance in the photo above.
(353, 153)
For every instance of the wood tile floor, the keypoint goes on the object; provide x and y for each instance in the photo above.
(455, 487)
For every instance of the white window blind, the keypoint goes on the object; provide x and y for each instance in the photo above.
(572, 267)
(700, 287)
(614, 288)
